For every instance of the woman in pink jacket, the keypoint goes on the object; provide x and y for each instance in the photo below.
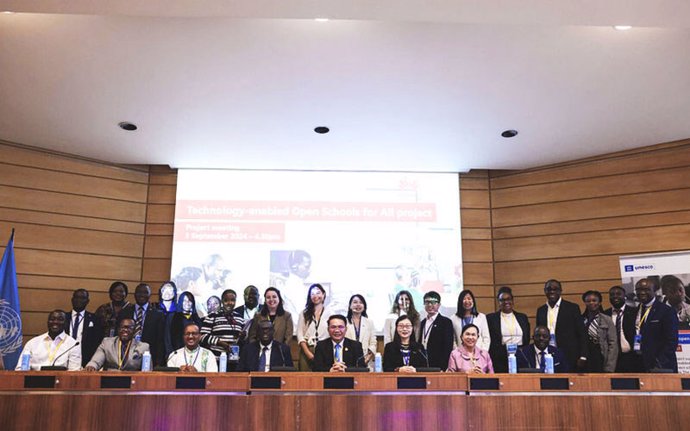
(468, 358)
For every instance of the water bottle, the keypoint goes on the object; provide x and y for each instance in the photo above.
(137, 338)
(26, 361)
(223, 363)
(548, 363)
(146, 361)
(512, 364)
(377, 363)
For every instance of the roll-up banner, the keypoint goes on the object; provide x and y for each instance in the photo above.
(657, 265)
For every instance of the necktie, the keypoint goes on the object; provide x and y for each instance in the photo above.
(337, 353)
(262, 359)
(137, 321)
(619, 320)
(75, 327)
(542, 364)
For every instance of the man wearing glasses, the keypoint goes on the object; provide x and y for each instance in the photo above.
(336, 353)
(436, 332)
(119, 353)
(192, 358)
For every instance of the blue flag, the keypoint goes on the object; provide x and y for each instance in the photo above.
(10, 319)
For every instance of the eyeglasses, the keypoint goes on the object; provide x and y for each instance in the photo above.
(431, 301)
(405, 326)
(191, 334)
(341, 327)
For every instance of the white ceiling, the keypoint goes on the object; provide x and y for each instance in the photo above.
(403, 85)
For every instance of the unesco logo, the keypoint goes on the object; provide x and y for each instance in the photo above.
(629, 268)
(632, 268)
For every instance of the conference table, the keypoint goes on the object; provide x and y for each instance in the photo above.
(344, 401)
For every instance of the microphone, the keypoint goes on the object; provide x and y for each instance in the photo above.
(52, 366)
(421, 352)
(282, 356)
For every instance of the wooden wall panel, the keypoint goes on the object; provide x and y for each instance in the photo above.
(573, 221)
(78, 224)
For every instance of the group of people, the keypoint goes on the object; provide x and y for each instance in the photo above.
(639, 336)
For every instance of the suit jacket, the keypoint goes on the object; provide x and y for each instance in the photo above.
(323, 354)
(283, 328)
(629, 315)
(527, 358)
(571, 338)
(440, 342)
(608, 342)
(152, 333)
(106, 355)
(392, 358)
(660, 338)
(91, 334)
(249, 358)
(497, 350)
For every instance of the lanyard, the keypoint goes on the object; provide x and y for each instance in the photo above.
(121, 359)
(358, 328)
(553, 316)
(190, 356)
(51, 353)
(427, 330)
(641, 320)
(316, 325)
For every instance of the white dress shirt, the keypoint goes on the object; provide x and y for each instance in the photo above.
(45, 352)
(203, 359)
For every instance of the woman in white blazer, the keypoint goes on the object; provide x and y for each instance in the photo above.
(467, 313)
(360, 328)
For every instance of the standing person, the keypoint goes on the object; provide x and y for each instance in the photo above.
(656, 327)
(467, 313)
(222, 330)
(312, 326)
(250, 308)
(109, 313)
(602, 340)
(508, 329)
(273, 312)
(404, 354)
(185, 315)
(403, 305)
(212, 304)
(468, 358)
(336, 353)
(83, 326)
(564, 320)
(149, 323)
(360, 328)
(436, 332)
(623, 317)
(167, 305)
(53, 348)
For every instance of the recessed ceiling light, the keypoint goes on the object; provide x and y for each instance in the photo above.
(622, 27)
(509, 133)
(321, 19)
(126, 125)
(321, 130)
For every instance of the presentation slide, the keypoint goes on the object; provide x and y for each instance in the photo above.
(370, 233)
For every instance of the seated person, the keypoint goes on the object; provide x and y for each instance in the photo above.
(119, 353)
(265, 353)
(404, 354)
(532, 356)
(336, 353)
(191, 358)
(54, 347)
(468, 358)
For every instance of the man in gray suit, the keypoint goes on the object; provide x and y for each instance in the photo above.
(119, 353)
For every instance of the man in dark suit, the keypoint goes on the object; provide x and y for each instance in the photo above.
(149, 323)
(83, 326)
(337, 353)
(624, 318)
(657, 325)
(265, 353)
(436, 332)
(564, 320)
(532, 356)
